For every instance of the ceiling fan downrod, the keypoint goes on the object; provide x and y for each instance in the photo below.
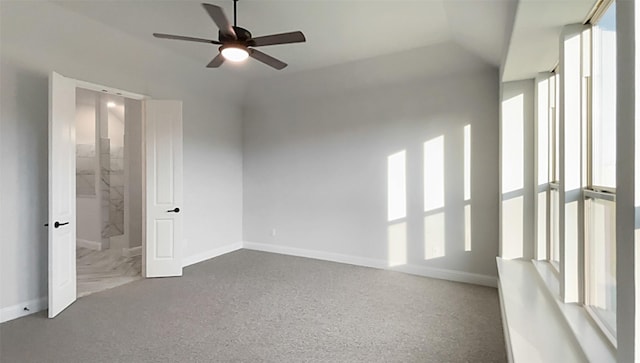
(235, 12)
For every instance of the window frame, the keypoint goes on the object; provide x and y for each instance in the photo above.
(591, 191)
(554, 168)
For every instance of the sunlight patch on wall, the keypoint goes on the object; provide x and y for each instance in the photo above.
(467, 188)
(513, 144)
(397, 244)
(434, 174)
(434, 236)
(637, 149)
(467, 227)
(467, 162)
(512, 228)
(397, 186)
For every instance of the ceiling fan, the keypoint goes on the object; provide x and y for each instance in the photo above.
(236, 43)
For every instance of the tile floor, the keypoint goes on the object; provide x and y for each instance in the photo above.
(102, 270)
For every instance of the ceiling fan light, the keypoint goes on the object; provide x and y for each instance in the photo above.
(235, 53)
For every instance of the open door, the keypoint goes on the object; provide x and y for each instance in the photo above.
(163, 198)
(62, 193)
(162, 251)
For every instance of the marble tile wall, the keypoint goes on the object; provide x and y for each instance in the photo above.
(85, 170)
(116, 192)
(105, 188)
(111, 183)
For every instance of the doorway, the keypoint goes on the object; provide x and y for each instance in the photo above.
(108, 190)
(160, 145)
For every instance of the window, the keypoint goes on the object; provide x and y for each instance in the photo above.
(599, 212)
(554, 240)
(576, 173)
(600, 274)
(603, 124)
(554, 165)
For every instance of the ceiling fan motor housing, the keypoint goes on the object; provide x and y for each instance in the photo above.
(242, 34)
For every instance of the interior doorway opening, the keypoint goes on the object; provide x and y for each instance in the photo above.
(109, 190)
(160, 168)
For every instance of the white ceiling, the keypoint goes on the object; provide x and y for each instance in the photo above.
(336, 31)
(534, 45)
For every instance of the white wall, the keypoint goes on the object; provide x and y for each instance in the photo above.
(133, 185)
(115, 117)
(516, 170)
(316, 154)
(39, 37)
(85, 117)
(88, 220)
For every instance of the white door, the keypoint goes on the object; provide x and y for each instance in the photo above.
(62, 193)
(164, 201)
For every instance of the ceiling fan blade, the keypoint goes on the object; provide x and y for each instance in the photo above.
(266, 59)
(180, 37)
(284, 38)
(216, 62)
(216, 13)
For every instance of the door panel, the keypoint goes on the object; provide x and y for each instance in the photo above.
(62, 193)
(164, 240)
(163, 121)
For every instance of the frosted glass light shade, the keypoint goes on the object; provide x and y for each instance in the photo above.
(235, 53)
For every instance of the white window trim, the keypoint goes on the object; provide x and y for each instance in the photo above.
(591, 335)
(592, 191)
(572, 330)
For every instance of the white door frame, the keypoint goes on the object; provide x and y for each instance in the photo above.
(109, 90)
(174, 269)
(115, 91)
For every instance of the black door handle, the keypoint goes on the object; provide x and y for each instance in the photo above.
(58, 224)
(174, 210)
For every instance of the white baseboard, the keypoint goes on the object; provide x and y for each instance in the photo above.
(188, 261)
(35, 305)
(18, 310)
(133, 251)
(92, 245)
(452, 275)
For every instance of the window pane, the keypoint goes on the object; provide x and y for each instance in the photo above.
(604, 101)
(601, 255)
(543, 131)
(554, 119)
(554, 248)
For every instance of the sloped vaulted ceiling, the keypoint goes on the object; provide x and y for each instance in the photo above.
(534, 43)
(337, 31)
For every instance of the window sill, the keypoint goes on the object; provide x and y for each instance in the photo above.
(538, 325)
(594, 343)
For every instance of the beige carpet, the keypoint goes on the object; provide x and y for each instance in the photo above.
(250, 306)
